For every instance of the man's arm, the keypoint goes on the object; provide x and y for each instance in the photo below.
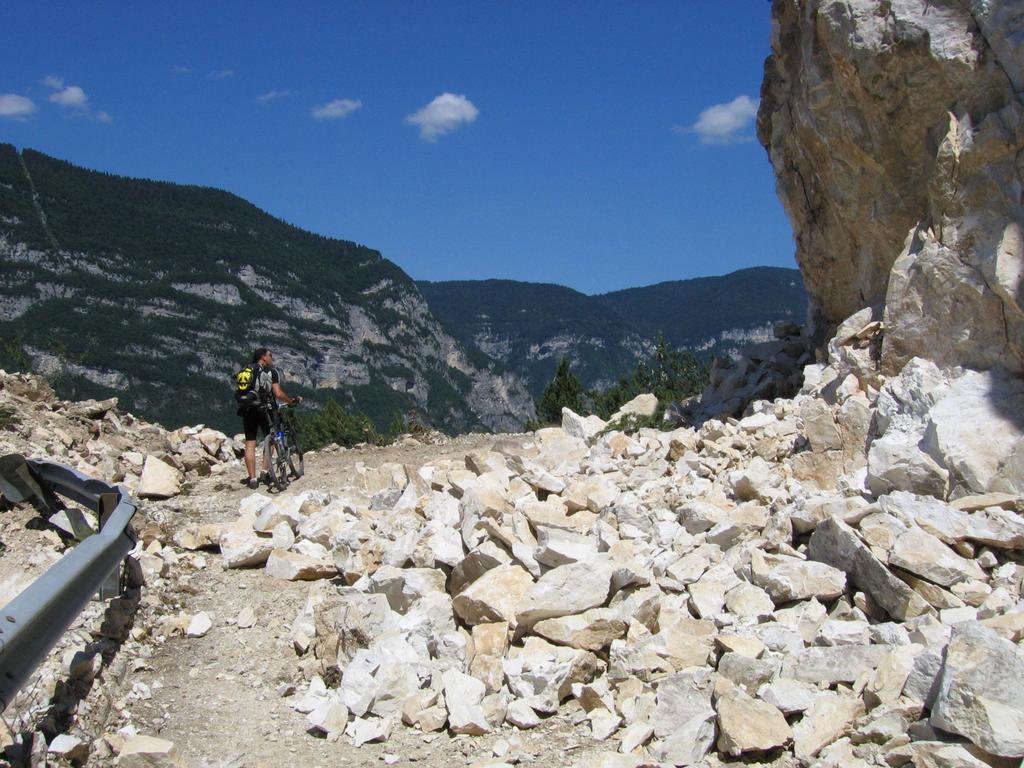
(280, 393)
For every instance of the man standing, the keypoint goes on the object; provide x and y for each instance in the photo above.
(256, 419)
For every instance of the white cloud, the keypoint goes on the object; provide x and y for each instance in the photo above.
(221, 74)
(443, 115)
(337, 109)
(71, 96)
(724, 123)
(263, 98)
(181, 70)
(14, 106)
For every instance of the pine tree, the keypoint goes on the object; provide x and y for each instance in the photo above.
(563, 391)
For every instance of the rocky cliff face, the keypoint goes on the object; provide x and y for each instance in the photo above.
(896, 128)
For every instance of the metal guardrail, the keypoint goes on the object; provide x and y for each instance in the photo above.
(32, 623)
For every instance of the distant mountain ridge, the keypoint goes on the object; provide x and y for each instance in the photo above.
(529, 327)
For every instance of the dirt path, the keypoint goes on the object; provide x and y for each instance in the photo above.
(219, 697)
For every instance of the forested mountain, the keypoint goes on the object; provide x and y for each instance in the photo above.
(531, 326)
(713, 313)
(157, 292)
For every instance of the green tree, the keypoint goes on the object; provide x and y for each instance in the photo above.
(670, 374)
(563, 391)
(333, 424)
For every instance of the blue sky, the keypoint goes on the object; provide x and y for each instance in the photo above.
(600, 145)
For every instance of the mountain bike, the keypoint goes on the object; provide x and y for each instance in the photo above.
(283, 448)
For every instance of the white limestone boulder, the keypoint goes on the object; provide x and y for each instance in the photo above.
(295, 566)
(789, 578)
(748, 725)
(981, 691)
(566, 590)
(494, 596)
(159, 480)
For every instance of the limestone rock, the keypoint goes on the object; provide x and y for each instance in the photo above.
(368, 729)
(542, 674)
(921, 553)
(973, 432)
(566, 590)
(495, 596)
(981, 692)
(683, 718)
(940, 754)
(591, 630)
(790, 578)
(149, 752)
(463, 695)
(329, 716)
(748, 673)
(748, 601)
(521, 715)
(68, 747)
(641, 405)
(295, 566)
(887, 683)
(244, 549)
(748, 725)
(895, 463)
(855, 177)
(583, 427)
(826, 720)
(833, 542)
(159, 480)
(787, 695)
(835, 664)
(199, 625)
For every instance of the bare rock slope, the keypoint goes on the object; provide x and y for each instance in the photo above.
(896, 130)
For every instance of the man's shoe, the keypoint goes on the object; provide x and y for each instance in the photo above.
(265, 477)
(253, 483)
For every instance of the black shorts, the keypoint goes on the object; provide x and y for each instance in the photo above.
(254, 421)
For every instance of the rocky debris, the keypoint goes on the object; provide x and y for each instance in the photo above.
(98, 440)
(766, 371)
(742, 587)
(683, 591)
(822, 564)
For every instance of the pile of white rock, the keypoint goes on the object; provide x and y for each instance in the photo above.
(836, 577)
(95, 438)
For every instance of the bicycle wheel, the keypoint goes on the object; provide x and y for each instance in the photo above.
(295, 462)
(278, 464)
